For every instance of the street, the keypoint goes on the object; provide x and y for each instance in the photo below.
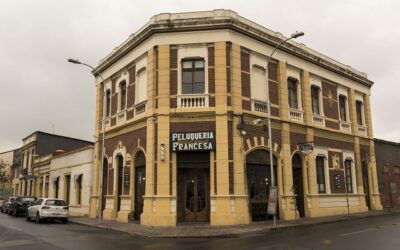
(379, 232)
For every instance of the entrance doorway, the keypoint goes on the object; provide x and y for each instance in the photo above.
(104, 184)
(120, 167)
(364, 166)
(67, 179)
(140, 184)
(258, 171)
(298, 184)
(193, 186)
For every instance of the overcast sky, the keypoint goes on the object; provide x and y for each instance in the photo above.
(39, 89)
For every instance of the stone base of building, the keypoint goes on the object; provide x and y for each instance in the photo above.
(123, 216)
(109, 214)
(158, 220)
(229, 210)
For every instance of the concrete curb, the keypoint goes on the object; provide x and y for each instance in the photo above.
(242, 233)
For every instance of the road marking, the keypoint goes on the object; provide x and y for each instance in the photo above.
(358, 232)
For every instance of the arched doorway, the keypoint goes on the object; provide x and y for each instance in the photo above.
(258, 171)
(120, 168)
(104, 184)
(140, 183)
(364, 167)
(298, 183)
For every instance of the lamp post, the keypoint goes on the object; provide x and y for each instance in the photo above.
(76, 61)
(294, 35)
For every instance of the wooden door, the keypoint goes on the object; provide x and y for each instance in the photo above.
(193, 195)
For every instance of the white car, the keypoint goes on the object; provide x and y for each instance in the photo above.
(48, 209)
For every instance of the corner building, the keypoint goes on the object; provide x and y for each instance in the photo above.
(180, 96)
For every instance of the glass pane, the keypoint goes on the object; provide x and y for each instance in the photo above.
(201, 192)
(199, 64)
(187, 64)
(198, 88)
(199, 76)
(190, 193)
(187, 77)
(187, 88)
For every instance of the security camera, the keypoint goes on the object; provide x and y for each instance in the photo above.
(243, 132)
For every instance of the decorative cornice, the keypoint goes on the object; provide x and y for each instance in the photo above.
(227, 20)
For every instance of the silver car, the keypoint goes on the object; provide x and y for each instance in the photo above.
(48, 209)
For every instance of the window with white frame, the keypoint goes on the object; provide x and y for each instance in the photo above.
(122, 95)
(343, 108)
(360, 112)
(315, 99)
(193, 76)
(258, 83)
(108, 103)
(293, 93)
(141, 85)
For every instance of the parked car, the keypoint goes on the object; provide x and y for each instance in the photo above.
(20, 205)
(6, 205)
(48, 209)
(2, 201)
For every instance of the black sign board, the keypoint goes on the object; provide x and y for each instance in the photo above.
(126, 180)
(193, 141)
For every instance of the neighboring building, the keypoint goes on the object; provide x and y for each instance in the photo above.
(67, 176)
(6, 158)
(180, 98)
(40, 144)
(388, 170)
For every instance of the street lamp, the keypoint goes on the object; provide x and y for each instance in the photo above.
(76, 61)
(294, 35)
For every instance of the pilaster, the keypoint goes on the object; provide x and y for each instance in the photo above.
(158, 208)
(306, 97)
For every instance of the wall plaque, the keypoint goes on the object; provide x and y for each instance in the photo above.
(193, 141)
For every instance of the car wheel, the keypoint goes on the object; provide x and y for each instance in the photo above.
(15, 213)
(27, 217)
(64, 221)
(37, 218)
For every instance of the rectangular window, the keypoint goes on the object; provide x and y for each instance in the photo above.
(193, 76)
(349, 179)
(315, 99)
(292, 93)
(141, 85)
(79, 190)
(108, 103)
(342, 107)
(258, 83)
(122, 89)
(359, 109)
(320, 164)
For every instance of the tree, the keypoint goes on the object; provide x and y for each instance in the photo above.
(4, 176)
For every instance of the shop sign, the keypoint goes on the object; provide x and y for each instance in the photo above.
(193, 141)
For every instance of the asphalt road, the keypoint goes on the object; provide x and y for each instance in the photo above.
(371, 233)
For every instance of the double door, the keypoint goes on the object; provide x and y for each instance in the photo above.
(193, 195)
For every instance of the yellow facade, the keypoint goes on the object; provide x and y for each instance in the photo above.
(226, 108)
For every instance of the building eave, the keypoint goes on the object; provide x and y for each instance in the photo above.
(160, 24)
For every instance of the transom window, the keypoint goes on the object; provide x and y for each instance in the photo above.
(315, 100)
(122, 92)
(292, 93)
(320, 173)
(342, 107)
(193, 76)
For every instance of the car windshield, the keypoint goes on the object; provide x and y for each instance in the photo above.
(28, 199)
(55, 203)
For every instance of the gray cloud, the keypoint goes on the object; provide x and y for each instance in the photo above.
(39, 88)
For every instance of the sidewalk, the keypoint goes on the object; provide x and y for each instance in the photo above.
(186, 230)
